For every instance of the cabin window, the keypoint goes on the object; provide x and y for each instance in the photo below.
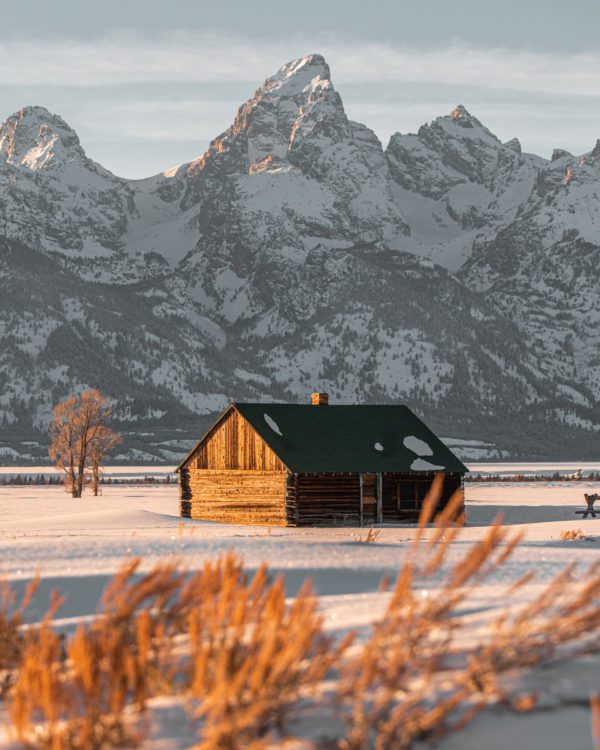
(410, 493)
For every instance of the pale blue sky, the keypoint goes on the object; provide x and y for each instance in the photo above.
(148, 84)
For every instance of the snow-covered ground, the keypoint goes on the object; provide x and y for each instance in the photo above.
(77, 544)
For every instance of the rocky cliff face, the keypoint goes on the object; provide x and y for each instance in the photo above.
(460, 185)
(52, 195)
(296, 254)
(543, 269)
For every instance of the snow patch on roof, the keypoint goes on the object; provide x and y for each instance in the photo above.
(272, 424)
(378, 447)
(419, 464)
(418, 446)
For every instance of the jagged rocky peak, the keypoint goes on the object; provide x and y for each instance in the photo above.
(283, 113)
(36, 139)
(460, 122)
(596, 149)
(463, 117)
(450, 150)
(299, 77)
(513, 145)
(560, 153)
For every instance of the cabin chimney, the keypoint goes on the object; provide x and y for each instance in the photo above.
(319, 399)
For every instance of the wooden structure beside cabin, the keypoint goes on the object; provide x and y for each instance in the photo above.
(317, 465)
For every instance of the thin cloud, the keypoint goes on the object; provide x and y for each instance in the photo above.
(203, 58)
(151, 120)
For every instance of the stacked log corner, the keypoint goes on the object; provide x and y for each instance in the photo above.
(185, 493)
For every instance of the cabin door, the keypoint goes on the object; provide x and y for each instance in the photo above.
(370, 499)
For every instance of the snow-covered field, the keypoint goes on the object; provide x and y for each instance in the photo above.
(77, 544)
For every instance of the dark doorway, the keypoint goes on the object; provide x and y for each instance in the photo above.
(410, 494)
(369, 499)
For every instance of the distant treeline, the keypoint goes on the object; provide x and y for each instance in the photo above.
(54, 479)
(580, 476)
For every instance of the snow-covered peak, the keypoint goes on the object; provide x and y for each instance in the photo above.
(453, 150)
(53, 195)
(310, 72)
(281, 116)
(460, 123)
(463, 116)
(295, 129)
(36, 139)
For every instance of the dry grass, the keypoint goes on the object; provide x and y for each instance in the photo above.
(247, 661)
(246, 658)
(595, 719)
(571, 535)
(372, 536)
(254, 658)
(77, 698)
(11, 640)
(414, 678)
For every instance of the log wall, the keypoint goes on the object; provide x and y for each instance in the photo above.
(334, 499)
(236, 496)
(323, 500)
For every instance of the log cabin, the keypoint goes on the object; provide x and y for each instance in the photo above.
(315, 465)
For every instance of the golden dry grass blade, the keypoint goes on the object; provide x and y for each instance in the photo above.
(595, 720)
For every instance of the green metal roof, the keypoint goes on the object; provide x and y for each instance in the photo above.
(349, 438)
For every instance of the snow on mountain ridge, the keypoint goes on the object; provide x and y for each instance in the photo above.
(544, 269)
(461, 183)
(294, 77)
(35, 139)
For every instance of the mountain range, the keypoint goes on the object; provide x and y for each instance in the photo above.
(449, 271)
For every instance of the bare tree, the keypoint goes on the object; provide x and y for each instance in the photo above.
(77, 422)
(64, 442)
(104, 441)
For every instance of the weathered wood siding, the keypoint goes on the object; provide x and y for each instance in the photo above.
(238, 496)
(323, 500)
(233, 476)
(233, 444)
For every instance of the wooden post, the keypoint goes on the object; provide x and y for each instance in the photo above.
(379, 498)
(360, 512)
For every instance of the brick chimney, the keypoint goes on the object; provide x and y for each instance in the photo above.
(319, 399)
